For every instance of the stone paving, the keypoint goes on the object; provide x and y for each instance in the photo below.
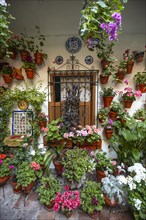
(27, 207)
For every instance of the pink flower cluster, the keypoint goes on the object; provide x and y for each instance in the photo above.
(129, 94)
(87, 130)
(35, 166)
(67, 201)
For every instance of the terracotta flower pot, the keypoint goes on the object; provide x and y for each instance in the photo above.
(130, 65)
(39, 58)
(107, 100)
(16, 188)
(108, 133)
(24, 55)
(104, 63)
(7, 78)
(3, 180)
(127, 103)
(100, 174)
(120, 75)
(94, 215)
(113, 115)
(142, 87)
(108, 201)
(93, 146)
(42, 124)
(49, 207)
(104, 79)
(30, 73)
(58, 166)
(28, 188)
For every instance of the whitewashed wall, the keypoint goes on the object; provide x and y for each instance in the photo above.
(59, 20)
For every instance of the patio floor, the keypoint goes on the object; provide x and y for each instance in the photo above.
(27, 207)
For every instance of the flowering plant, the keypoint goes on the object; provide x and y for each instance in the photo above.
(89, 134)
(135, 184)
(140, 78)
(92, 199)
(128, 94)
(67, 202)
(108, 124)
(42, 116)
(127, 56)
(29, 63)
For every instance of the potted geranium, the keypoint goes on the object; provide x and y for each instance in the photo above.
(140, 80)
(5, 169)
(103, 164)
(113, 191)
(128, 96)
(47, 190)
(27, 174)
(67, 201)
(77, 163)
(114, 109)
(87, 137)
(107, 94)
(92, 199)
(106, 72)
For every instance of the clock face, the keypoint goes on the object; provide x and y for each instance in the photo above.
(23, 104)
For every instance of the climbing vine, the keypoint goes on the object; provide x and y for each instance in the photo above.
(31, 94)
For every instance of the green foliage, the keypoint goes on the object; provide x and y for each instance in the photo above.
(107, 71)
(26, 174)
(116, 107)
(48, 189)
(140, 114)
(92, 199)
(140, 77)
(129, 141)
(31, 65)
(77, 163)
(103, 163)
(107, 91)
(4, 167)
(103, 113)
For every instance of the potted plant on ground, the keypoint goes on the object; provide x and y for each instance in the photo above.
(27, 174)
(140, 114)
(128, 96)
(107, 94)
(47, 191)
(77, 163)
(87, 137)
(30, 67)
(7, 72)
(103, 164)
(92, 199)
(102, 114)
(140, 80)
(4, 170)
(66, 202)
(113, 191)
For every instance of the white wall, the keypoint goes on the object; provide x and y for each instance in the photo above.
(59, 20)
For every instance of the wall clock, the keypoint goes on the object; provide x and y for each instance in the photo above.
(23, 104)
(73, 44)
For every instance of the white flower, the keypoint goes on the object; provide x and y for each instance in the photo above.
(137, 203)
(2, 2)
(43, 151)
(41, 146)
(122, 179)
(32, 152)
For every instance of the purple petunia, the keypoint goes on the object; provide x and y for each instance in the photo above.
(11, 167)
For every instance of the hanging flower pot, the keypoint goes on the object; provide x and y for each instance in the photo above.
(7, 78)
(30, 73)
(108, 133)
(138, 56)
(130, 65)
(104, 79)
(120, 75)
(39, 58)
(113, 115)
(24, 55)
(104, 63)
(142, 87)
(127, 103)
(107, 100)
